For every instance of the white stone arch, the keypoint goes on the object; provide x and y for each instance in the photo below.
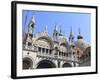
(56, 50)
(64, 45)
(45, 63)
(47, 39)
(56, 46)
(63, 48)
(29, 60)
(29, 56)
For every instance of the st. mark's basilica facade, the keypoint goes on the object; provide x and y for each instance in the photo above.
(41, 50)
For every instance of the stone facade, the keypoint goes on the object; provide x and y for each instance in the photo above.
(40, 50)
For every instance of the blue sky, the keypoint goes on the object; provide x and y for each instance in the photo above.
(66, 20)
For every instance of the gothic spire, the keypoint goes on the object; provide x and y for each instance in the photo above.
(60, 31)
(56, 27)
(71, 37)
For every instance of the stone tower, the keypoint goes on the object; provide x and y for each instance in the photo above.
(30, 32)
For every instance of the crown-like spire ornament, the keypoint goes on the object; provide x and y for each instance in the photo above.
(31, 25)
(79, 31)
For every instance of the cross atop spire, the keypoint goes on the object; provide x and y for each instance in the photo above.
(56, 27)
(71, 33)
(79, 31)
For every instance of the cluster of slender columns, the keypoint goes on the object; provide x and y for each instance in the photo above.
(53, 52)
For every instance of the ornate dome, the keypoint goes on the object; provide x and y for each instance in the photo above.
(82, 44)
(79, 35)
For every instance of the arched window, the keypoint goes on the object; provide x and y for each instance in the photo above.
(67, 65)
(27, 63)
(46, 64)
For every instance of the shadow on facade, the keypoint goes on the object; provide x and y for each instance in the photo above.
(67, 65)
(46, 64)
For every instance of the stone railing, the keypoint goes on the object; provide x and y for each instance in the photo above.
(32, 48)
(57, 57)
(49, 55)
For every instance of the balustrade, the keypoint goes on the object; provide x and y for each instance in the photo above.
(44, 52)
